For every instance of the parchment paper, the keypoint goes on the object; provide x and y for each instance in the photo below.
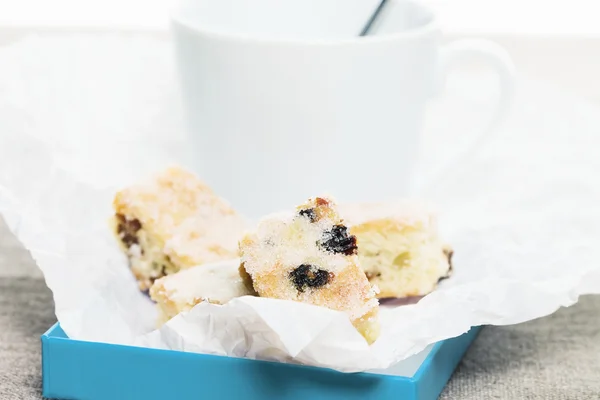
(82, 115)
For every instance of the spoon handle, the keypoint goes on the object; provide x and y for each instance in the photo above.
(373, 18)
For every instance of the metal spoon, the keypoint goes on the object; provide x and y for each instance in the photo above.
(373, 18)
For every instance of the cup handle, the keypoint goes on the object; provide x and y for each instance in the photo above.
(500, 61)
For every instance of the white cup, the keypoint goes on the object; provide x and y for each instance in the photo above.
(276, 117)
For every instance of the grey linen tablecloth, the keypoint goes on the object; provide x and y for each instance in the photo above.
(553, 358)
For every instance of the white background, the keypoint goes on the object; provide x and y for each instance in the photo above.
(540, 17)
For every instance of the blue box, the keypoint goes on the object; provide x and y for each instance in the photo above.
(74, 369)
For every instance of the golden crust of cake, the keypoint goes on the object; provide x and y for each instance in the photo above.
(308, 256)
(400, 249)
(215, 283)
(401, 213)
(174, 222)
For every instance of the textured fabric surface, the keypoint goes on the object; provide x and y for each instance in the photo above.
(554, 358)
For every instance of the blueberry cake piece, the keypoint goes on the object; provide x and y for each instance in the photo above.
(174, 222)
(215, 283)
(400, 249)
(309, 256)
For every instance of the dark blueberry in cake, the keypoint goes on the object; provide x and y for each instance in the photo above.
(338, 241)
(128, 229)
(309, 276)
(309, 213)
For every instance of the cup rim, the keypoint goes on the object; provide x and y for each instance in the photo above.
(428, 27)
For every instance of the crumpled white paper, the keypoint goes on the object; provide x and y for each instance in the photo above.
(82, 115)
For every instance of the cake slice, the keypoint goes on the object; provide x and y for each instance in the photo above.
(174, 222)
(309, 256)
(215, 283)
(400, 249)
